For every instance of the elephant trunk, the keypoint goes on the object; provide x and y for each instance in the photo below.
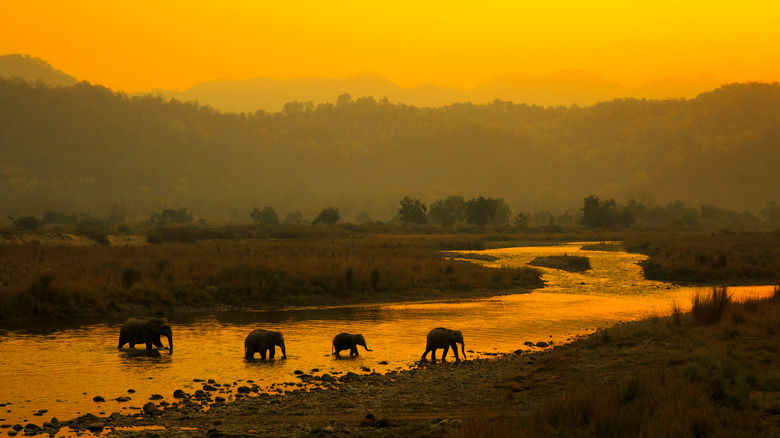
(364, 346)
(463, 350)
(284, 352)
(170, 342)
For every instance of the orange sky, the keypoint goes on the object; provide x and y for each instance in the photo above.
(139, 45)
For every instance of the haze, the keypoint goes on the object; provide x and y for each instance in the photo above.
(143, 45)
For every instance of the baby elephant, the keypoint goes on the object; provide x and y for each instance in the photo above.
(444, 338)
(262, 341)
(344, 341)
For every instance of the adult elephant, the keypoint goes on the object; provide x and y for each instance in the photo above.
(145, 331)
(441, 337)
(262, 341)
(348, 341)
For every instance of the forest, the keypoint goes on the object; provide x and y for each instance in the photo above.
(87, 149)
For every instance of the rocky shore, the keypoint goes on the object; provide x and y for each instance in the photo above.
(430, 398)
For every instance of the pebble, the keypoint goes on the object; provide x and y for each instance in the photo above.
(98, 399)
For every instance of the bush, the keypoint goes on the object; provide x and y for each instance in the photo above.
(27, 223)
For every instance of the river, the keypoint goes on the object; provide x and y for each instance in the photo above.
(60, 366)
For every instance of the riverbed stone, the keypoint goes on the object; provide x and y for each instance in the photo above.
(156, 397)
(123, 399)
(179, 393)
(98, 399)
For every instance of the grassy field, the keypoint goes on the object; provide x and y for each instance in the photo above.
(60, 280)
(709, 258)
(711, 372)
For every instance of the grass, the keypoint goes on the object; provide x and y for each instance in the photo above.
(683, 375)
(563, 262)
(41, 280)
(709, 258)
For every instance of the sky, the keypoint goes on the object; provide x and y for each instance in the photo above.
(142, 45)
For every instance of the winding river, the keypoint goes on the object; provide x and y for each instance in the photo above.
(60, 366)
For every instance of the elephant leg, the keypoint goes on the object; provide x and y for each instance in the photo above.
(262, 354)
(427, 350)
(455, 350)
(157, 343)
(337, 353)
(149, 345)
(354, 351)
(132, 345)
(444, 354)
(271, 352)
(433, 355)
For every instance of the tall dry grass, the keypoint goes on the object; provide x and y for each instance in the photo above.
(691, 378)
(43, 280)
(714, 258)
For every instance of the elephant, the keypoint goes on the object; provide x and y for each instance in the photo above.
(262, 341)
(145, 331)
(347, 341)
(444, 338)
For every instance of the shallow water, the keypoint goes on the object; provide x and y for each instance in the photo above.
(61, 366)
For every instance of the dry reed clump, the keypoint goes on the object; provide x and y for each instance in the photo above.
(239, 272)
(709, 310)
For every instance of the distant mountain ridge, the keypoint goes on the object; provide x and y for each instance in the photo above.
(560, 88)
(566, 87)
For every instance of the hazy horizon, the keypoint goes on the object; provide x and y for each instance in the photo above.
(184, 44)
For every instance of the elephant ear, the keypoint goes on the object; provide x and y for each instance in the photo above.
(156, 324)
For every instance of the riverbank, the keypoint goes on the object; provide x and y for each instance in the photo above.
(60, 281)
(680, 375)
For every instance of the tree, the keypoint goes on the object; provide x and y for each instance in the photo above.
(480, 211)
(771, 213)
(27, 223)
(521, 220)
(413, 211)
(448, 212)
(598, 213)
(267, 216)
(294, 218)
(328, 216)
(171, 216)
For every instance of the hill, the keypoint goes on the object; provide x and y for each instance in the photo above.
(560, 88)
(33, 69)
(87, 149)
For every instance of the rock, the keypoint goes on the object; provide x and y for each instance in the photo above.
(123, 399)
(18, 427)
(178, 393)
(156, 397)
(219, 399)
(327, 378)
(384, 362)
(518, 352)
(98, 399)
(384, 422)
(209, 388)
(95, 427)
(243, 389)
(328, 429)
(131, 391)
(528, 343)
(365, 368)
(13, 432)
(456, 423)
(151, 409)
(297, 372)
(542, 344)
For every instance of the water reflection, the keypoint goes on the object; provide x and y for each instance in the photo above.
(61, 366)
